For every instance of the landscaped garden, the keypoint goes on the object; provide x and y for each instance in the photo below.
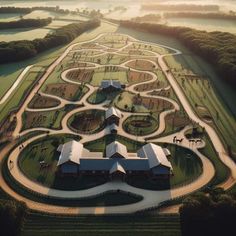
(87, 121)
(141, 65)
(140, 125)
(71, 92)
(134, 102)
(40, 101)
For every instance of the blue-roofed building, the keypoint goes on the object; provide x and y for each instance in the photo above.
(110, 85)
(150, 161)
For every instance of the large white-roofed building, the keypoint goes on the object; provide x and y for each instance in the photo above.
(149, 161)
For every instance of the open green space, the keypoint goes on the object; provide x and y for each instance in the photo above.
(99, 145)
(202, 97)
(102, 74)
(97, 97)
(19, 94)
(134, 102)
(23, 34)
(140, 225)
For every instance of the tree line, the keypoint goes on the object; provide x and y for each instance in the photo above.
(24, 49)
(25, 23)
(180, 7)
(218, 48)
(209, 215)
(209, 15)
(27, 10)
(20, 10)
(12, 217)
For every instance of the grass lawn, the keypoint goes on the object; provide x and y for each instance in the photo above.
(97, 97)
(222, 172)
(130, 102)
(100, 75)
(100, 144)
(17, 96)
(202, 94)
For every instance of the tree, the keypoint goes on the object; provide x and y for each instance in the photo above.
(12, 216)
(206, 215)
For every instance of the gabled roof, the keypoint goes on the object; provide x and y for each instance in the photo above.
(110, 83)
(70, 151)
(117, 167)
(112, 112)
(155, 155)
(116, 147)
(113, 127)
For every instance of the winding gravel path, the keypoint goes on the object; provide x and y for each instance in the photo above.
(150, 198)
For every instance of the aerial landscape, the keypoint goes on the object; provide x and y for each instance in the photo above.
(117, 117)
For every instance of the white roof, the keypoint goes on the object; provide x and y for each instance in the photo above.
(112, 111)
(116, 147)
(166, 151)
(117, 167)
(155, 155)
(113, 127)
(70, 151)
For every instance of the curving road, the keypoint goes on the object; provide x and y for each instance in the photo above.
(150, 198)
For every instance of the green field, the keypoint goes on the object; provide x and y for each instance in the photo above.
(20, 93)
(140, 225)
(9, 72)
(202, 94)
(100, 75)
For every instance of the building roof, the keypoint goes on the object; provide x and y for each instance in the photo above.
(155, 155)
(105, 164)
(113, 127)
(112, 111)
(166, 151)
(110, 83)
(116, 147)
(117, 167)
(70, 151)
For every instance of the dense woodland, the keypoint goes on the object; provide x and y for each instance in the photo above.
(180, 7)
(25, 23)
(24, 49)
(209, 215)
(218, 48)
(200, 15)
(12, 216)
